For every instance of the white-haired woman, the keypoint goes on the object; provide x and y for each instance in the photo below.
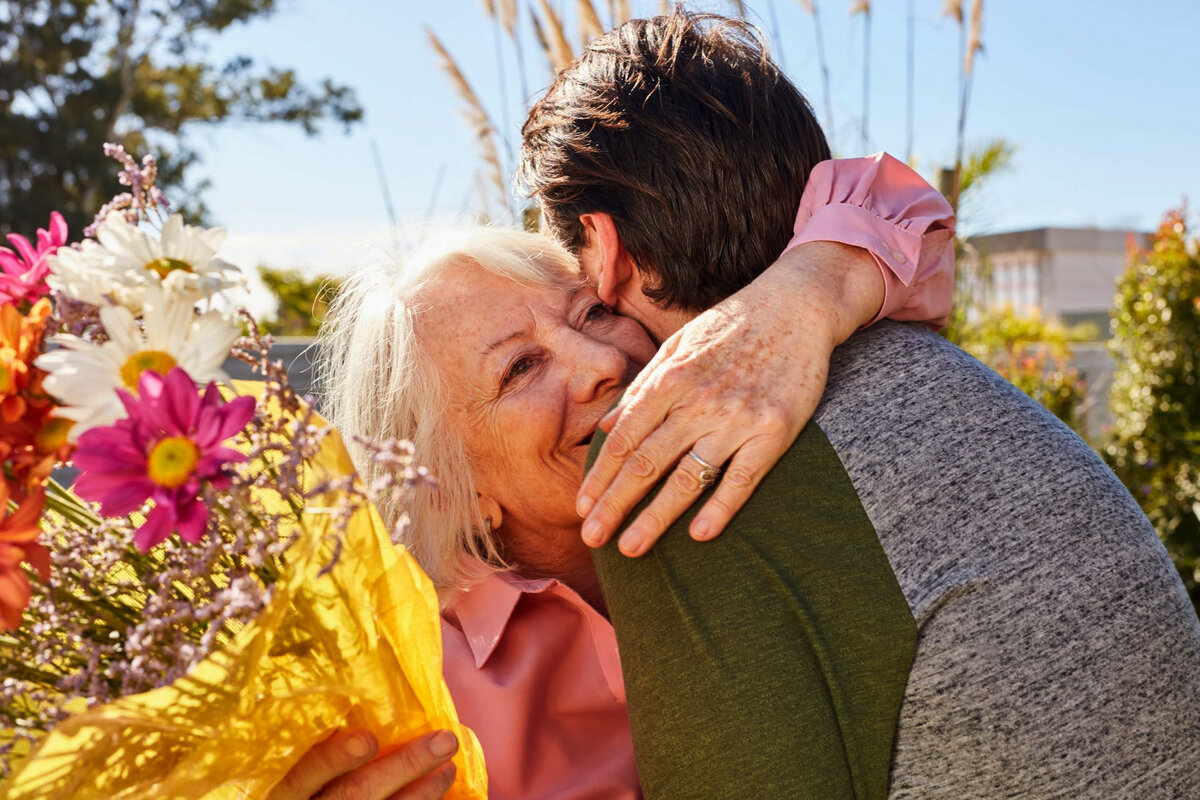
(489, 352)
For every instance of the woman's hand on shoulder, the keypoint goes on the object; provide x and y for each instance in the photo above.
(734, 386)
(341, 768)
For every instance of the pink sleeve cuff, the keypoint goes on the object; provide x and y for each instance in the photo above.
(884, 207)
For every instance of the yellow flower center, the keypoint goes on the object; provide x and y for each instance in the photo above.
(143, 360)
(164, 266)
(172, 461)
(6, 379)
(52, 436)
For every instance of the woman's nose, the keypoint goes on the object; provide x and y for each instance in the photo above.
(597, 367)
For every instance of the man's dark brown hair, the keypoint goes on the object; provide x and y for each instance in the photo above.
(683, 130)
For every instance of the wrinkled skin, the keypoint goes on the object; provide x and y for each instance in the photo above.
(531, 372)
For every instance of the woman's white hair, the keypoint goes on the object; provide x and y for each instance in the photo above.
(377, 382)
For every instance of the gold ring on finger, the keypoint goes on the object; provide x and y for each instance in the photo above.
(708, 473)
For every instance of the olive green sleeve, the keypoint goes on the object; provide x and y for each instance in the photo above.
(770, 662)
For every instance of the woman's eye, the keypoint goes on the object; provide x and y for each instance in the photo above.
(597, 311)
(517, 369)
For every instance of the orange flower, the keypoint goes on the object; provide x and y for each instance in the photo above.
(20, 342)
(31, 447)
(32, 440)
(19, 531)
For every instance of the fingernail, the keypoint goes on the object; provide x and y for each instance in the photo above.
(631, 542)
(700, 529)
(591, 532)
(357, 746)
(443, 744)
(583, 506)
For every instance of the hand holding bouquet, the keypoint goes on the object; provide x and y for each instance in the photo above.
(216, 592)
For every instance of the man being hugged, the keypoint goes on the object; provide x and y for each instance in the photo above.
(1056, 653)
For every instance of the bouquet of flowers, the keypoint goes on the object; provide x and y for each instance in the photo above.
(215, 593)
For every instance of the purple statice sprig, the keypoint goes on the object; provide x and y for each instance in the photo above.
(398, 477)
(143, 195)
(78, 319)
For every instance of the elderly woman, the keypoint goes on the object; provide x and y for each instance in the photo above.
(491, 354)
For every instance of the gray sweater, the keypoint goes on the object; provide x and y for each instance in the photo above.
(1058, 654)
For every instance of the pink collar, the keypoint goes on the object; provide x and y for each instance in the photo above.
(484, 610)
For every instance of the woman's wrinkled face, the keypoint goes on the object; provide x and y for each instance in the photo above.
(531, 371)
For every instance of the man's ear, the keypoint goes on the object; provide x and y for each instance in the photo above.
(604, 258)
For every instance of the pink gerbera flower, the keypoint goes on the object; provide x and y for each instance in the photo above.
(23, 273)
(165, 450)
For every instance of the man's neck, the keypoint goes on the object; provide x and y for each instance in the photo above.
(660, 323)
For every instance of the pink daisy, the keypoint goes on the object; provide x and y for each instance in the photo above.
(165, 450)
(23, 273)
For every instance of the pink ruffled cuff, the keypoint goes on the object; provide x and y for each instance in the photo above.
(883, 206)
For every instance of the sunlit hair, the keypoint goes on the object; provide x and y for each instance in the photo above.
(378, 382)
(683, 131)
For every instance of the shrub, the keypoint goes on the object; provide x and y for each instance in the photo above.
(303, 301)
(1155, 403)
(1031, 353)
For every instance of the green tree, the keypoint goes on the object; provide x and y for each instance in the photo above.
(78, 73)
(303, 301)
(1156, 389)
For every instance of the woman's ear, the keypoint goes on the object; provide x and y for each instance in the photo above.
(489, 509)
(603, 257)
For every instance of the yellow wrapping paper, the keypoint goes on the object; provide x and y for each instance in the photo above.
(358, 647)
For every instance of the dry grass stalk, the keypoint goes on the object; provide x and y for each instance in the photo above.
(664, 7)
(739, 7)
(489, 8)
(508, 16)
(476, 115)
(589, 21)
(864, 7)
(953, 8)
(975, 38)
(558, 49)
(970, 45)
(540, 35)
(830, 131)
(618, 11)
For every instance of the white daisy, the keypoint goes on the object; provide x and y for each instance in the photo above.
(126, 259)
(84, 376)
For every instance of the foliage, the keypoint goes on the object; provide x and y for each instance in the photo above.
(1031, 353)
(984, 162)
(78, 73)
(971, 296)
(1155, 399)
(303, 301)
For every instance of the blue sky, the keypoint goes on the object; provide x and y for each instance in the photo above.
(1102, 100)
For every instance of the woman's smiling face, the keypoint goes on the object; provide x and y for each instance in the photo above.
(530, 371)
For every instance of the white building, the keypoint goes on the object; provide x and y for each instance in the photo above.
(1069, 273)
